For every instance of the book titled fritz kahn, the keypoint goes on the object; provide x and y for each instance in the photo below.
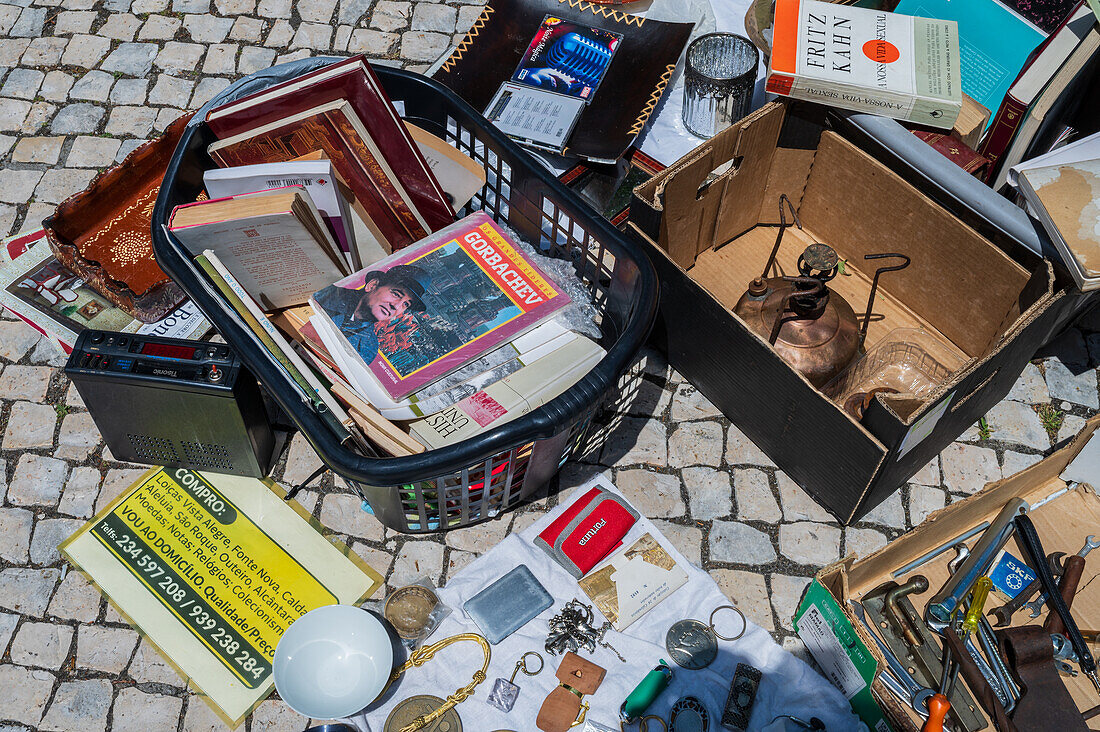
(867, 60)
(425, 311)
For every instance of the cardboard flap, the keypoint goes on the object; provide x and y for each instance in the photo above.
(860, 207)
(692, 210)
(1038, 291)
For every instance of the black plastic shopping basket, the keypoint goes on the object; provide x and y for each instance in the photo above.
(492, 472)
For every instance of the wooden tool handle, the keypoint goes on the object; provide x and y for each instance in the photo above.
(1067, 587)
(937, 711)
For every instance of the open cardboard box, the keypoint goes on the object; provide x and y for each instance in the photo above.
(710, 235)
(1062, 524)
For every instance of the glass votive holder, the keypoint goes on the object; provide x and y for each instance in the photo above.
(719, 79)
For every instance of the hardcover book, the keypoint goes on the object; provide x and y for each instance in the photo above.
(1064, 198)
(426, 311)
(1037, 74)
(352, 80)
(954, 150)
(334, 128)
(867, 60)
(274, 242)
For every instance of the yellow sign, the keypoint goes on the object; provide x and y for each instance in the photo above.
(213, 569)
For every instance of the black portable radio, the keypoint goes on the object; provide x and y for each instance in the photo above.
(171, 402)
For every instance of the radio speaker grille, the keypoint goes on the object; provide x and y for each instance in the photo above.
(206, 455)
(154, 449)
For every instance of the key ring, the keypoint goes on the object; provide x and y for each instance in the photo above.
(744, 622)
(522, 664)
(643, 723)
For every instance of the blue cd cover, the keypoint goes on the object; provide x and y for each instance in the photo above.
(567, 58)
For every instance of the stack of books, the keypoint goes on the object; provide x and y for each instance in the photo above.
(330, 228)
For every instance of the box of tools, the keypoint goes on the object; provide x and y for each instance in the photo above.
(894, 587)
(770, 240)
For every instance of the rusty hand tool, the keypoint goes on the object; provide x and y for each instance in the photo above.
(1025, 530)
(1067, 587)
(1005, 612)
(907, 624)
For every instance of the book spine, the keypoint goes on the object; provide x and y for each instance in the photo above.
(1001, 131)
(272, 340)
(906, 107)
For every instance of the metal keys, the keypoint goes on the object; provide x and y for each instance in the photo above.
(693, 644)
(572, 629)
(504, 693)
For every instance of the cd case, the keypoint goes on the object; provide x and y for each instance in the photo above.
(508, 604)
(567, 58)
(534, 117)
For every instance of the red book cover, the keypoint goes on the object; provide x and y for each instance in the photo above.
(954, 150)
(331, 128)
(355, 81)
(1003, 128)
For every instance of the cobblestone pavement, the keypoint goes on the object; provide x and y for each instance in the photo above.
(81, 84)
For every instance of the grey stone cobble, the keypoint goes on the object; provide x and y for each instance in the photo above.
(77, 119)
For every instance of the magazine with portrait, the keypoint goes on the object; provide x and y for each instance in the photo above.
(429, 309)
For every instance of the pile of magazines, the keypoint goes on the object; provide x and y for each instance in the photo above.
(330, 227)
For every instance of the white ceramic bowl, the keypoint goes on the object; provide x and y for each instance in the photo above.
(332, 662)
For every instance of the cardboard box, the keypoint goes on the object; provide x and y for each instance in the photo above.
(708, 236)
(825, 621)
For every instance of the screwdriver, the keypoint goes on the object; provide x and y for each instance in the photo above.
(938, 705)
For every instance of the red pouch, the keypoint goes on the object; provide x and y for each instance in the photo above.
(587, 531)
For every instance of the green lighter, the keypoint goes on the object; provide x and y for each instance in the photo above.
(646, 692)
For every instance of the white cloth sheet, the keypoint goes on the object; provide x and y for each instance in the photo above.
(665, 138)
(788, 685)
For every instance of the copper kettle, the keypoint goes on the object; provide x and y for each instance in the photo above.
(811, 327)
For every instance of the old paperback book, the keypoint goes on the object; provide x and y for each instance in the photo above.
(274, 242)
(510, 397)
(316, 176)
(867, 60)
(335, 129)
(633, 582)
(426, 311)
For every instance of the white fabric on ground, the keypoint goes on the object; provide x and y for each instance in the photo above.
(788, 685)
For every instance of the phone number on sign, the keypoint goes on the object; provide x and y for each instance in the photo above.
(185, 602)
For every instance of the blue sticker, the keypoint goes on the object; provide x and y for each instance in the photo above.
(1010, 575)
